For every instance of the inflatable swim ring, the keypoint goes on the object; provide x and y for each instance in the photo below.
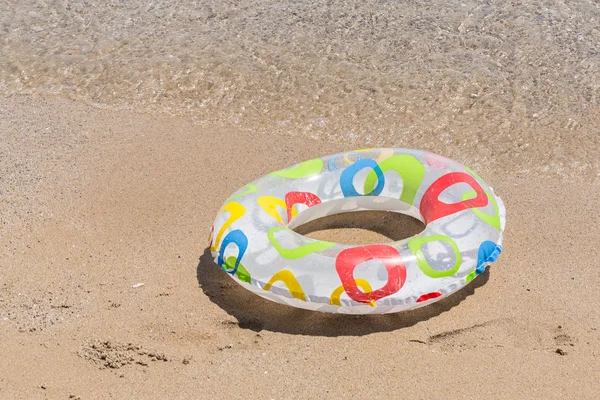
(253, 240)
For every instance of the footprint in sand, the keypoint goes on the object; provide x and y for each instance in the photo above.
(502, 333)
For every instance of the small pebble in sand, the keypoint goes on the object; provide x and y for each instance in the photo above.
(561, 352)
(137, 285)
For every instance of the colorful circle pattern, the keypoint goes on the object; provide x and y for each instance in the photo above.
(252, 237)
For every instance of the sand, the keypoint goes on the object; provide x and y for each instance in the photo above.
(97, 202)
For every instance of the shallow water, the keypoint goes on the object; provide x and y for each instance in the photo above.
(510, 86)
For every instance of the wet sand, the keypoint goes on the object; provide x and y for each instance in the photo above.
(95, 202)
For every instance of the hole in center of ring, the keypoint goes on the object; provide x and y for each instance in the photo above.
(359, 221)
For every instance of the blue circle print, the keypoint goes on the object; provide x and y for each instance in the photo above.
(347, 178)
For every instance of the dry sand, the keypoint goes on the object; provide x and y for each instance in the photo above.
(95, 202)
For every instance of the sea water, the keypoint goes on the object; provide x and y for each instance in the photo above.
(512, 85)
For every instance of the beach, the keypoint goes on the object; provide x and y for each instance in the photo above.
(110, 180)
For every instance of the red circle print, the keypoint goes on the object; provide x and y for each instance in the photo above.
(348, 259)
(432, 208)
(428, 296)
